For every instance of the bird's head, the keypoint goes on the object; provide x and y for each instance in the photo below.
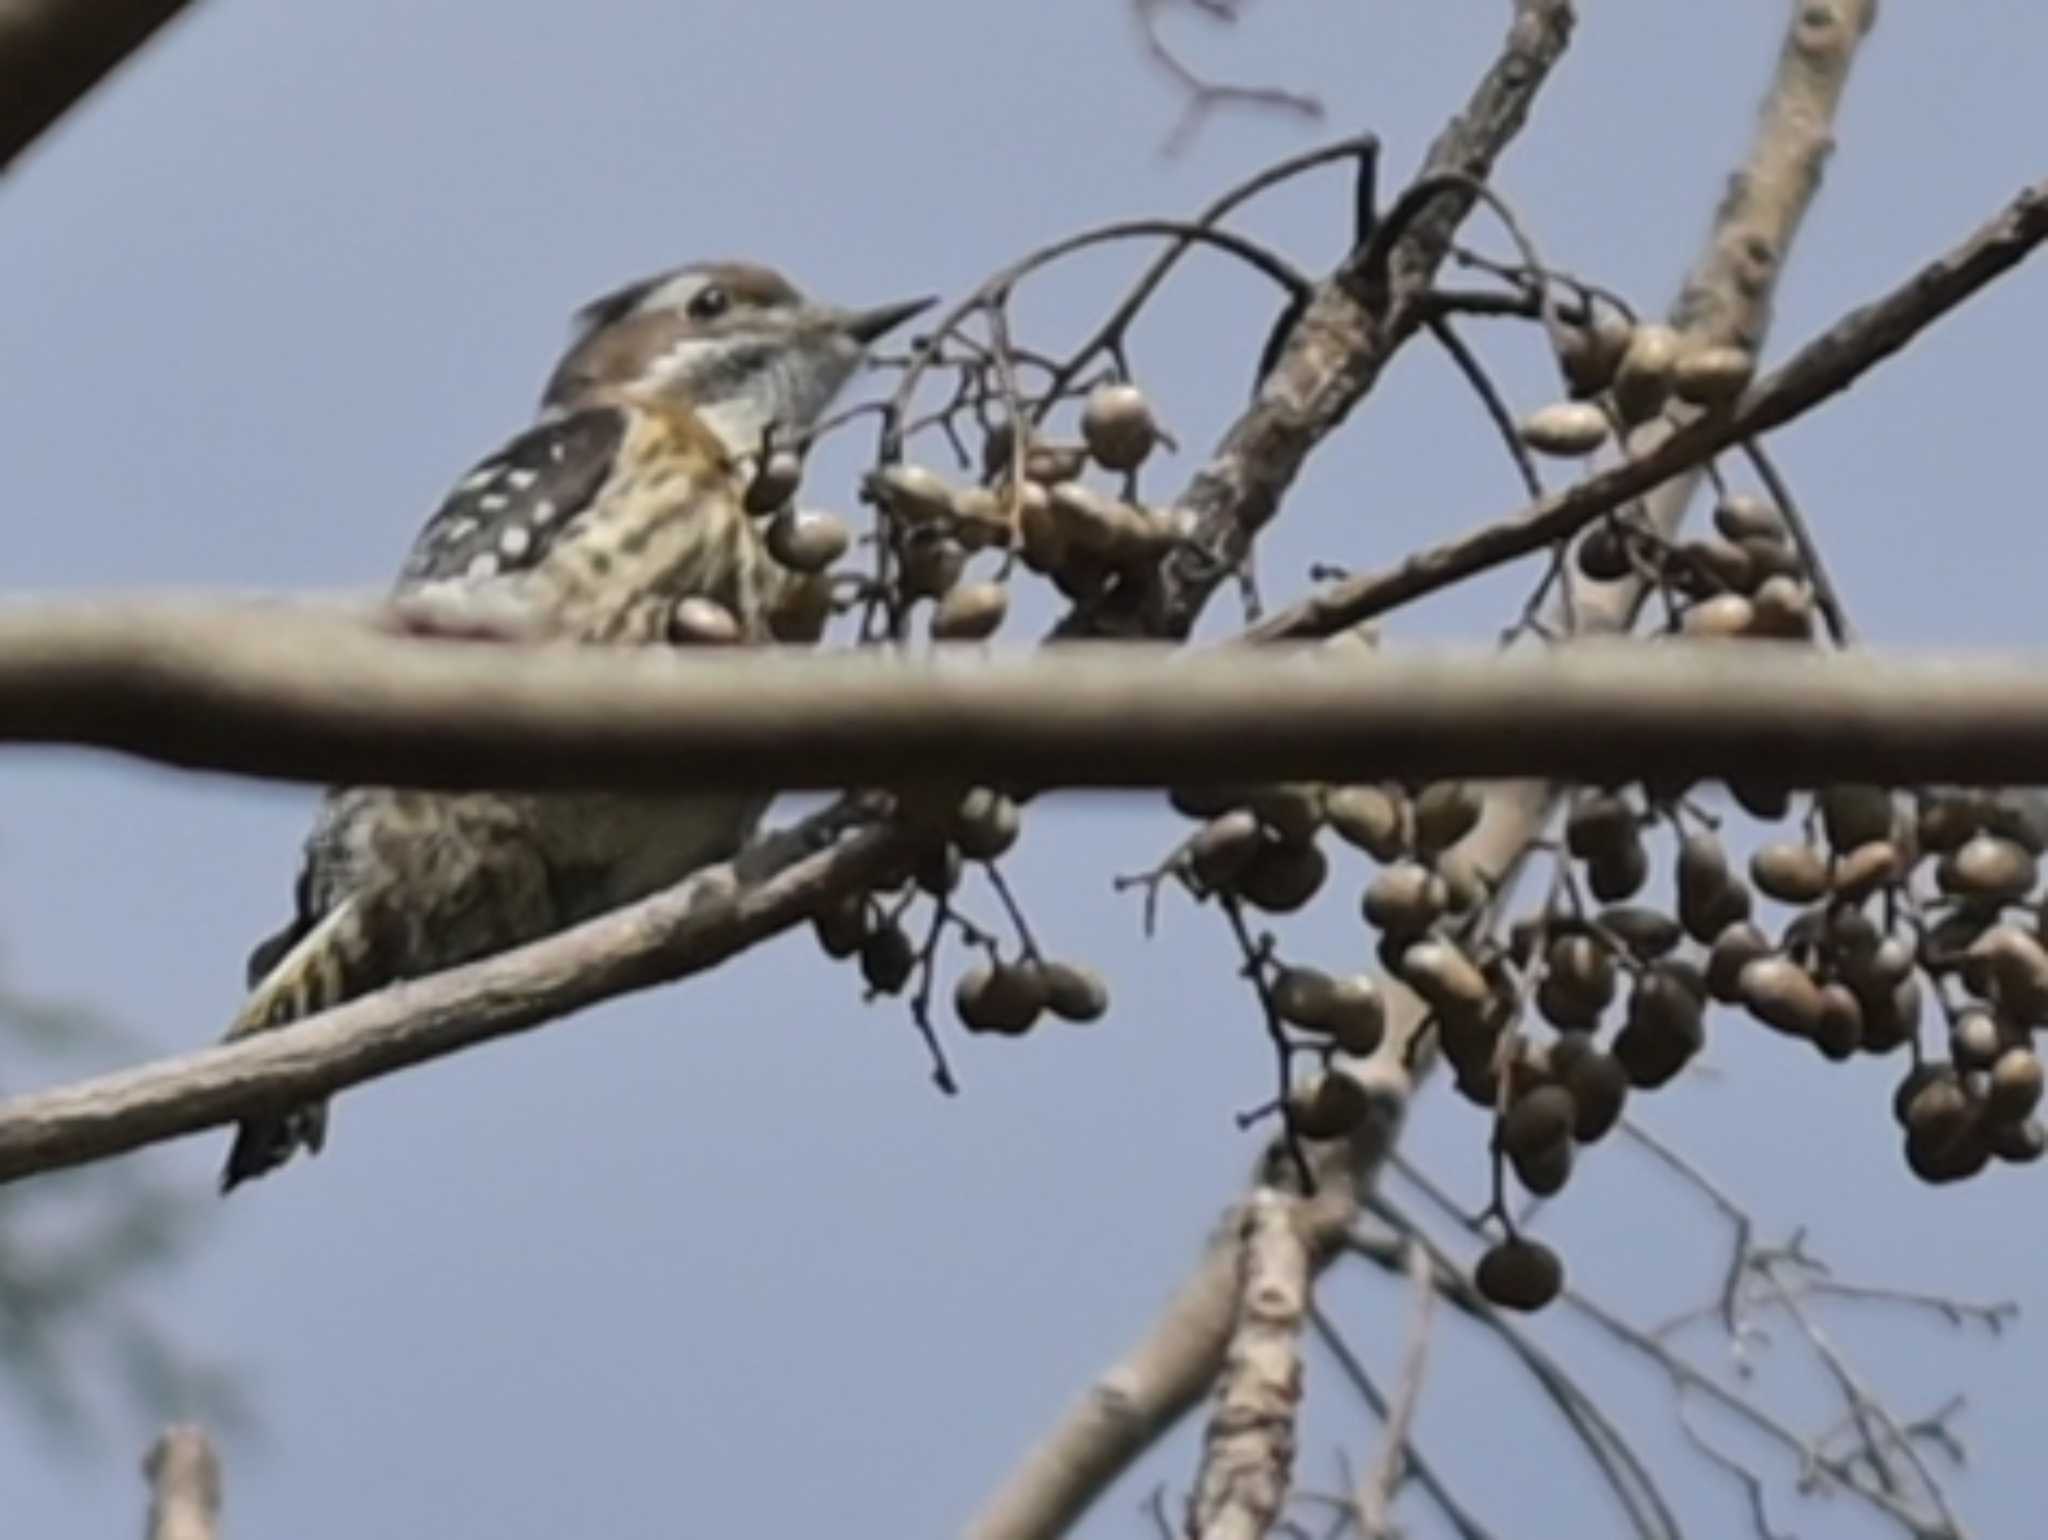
(736, 343)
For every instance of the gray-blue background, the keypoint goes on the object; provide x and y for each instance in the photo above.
(716, 1259)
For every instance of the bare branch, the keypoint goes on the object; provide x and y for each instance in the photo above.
(54, 51)
(1248, 1451)
(1390, 1463)
(685, 930)
(1206, 96)
(1830, 363)
(268, 693)
(184, 1485)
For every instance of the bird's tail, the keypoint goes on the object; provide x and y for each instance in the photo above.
(321, 968)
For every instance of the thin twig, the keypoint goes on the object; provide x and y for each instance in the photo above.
(1389, 1465)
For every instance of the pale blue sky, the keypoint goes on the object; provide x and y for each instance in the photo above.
(716, 1259)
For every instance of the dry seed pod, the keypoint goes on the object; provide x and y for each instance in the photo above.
(1039, 541)
(1445, 812)
(1536, 1120)
(1713, 375)
(1710, 898)
(1302, 995)
(1545, 1171)
(1205, 799)
(1949, 817)
(1917, 1079)
(1603, 553)
(1588, 355)
(801, 610)
(1791, 871)
(1519, 1274)
(1649, 933)
(1370, 818)
(1221, 851)
(1784, 608)
(1357, 1015)
(981, 518)
(1725, 617)
(1620, 875)
(1866, 869)
(1761, 799)
(698, 621)
(1781, 994)
(1565, 428)
(1293, 810)
(1330, 1107)
(2016, 1081)
(1448, 980)
(1854, 814)
(1577, 984)
(886, 959)
(1881, 967)
(1405, 899)
(1728, 565)
(2020, 1143)
(1734, 949)
(1936, 1109)
(1742, 516)
(1048, 463)
(2020, 816)
(972, 612)
(1074, 992)
(1643, 382)
(912, 493)
(1773, 558)
(1466, 883)
(1281, 878)
(1600, 824)
(1118, 425)
(774, 482)
(1599, 1087)
(1891, 1021)
(1839, 1032)
(931, 563)
(936, 869)
(1975, 1038)
(842, 925)
(1988, 866)
(1097, 522)
(805, 541)
(1955, 1158)
(1665, 1013)
(985, 825)
(1004, 998)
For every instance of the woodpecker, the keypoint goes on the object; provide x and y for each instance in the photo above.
(622, 501)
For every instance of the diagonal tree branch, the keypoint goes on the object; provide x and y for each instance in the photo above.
(1335, 350)
(52, 52)
(1830, 363)
(688, 929)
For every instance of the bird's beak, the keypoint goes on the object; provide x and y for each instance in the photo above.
(864, 326)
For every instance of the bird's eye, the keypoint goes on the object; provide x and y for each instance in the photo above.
(709, 303)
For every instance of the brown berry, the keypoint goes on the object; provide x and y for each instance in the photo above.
(1519, 1274)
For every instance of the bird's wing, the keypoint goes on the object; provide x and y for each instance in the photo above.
(507, 512)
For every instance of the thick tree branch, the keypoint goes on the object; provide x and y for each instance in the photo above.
(262, 693)
(1828, 364)
(687, 929)
(54, 51)
(1335, 349)
(1248, 1450)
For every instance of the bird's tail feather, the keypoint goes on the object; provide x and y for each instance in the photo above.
(322, 968)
